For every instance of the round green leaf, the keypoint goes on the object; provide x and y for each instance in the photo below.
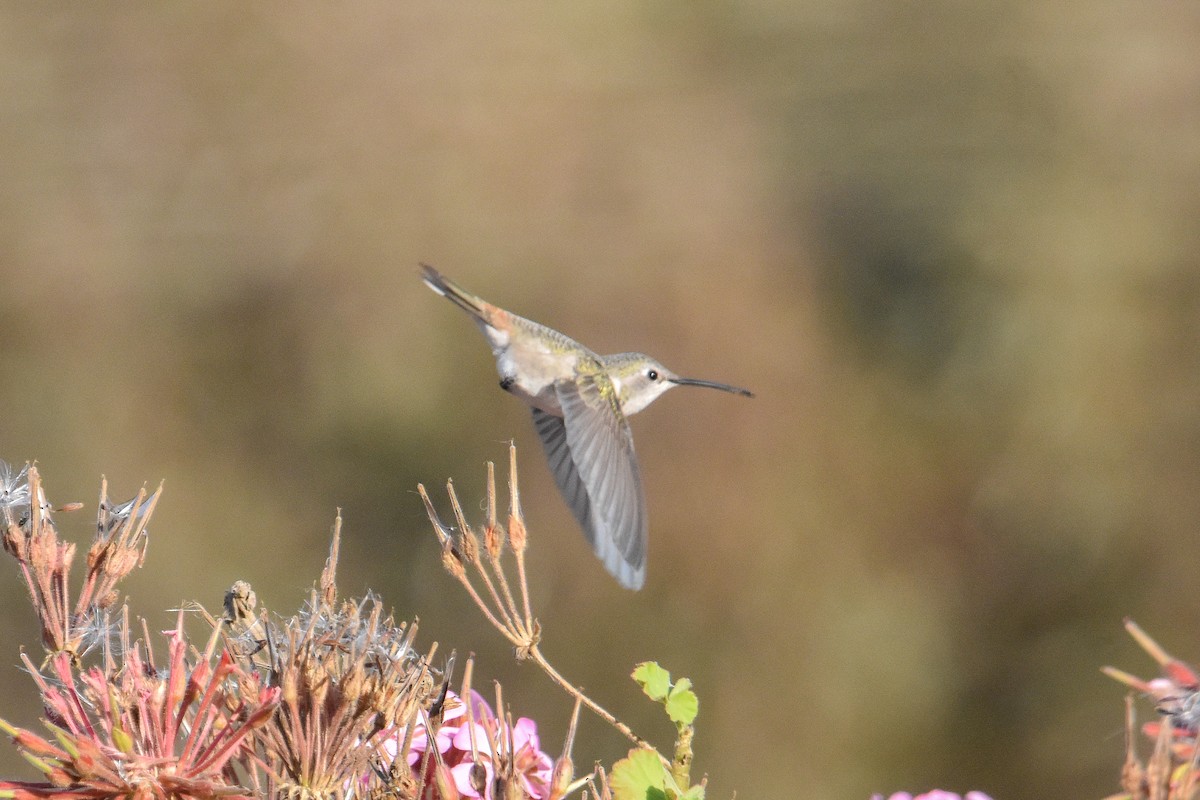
(654, 680)
(639, 776)
(682, 703)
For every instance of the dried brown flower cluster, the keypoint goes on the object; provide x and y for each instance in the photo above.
(268, 708)
(333, 702)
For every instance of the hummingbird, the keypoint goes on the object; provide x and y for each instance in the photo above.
(581, 405)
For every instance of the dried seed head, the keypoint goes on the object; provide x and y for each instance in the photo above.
(240, 602)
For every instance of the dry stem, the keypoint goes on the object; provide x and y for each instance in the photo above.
(460, 555)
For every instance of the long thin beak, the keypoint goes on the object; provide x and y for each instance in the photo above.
(724, 387)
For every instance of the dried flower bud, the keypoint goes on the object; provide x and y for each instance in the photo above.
(262, 715)
(290, 684)
(493, 540)
(452, 561)
(517, 536)
(478, 778)
(470, 546)
(561, 777)
(316, 682)
(15, 542)
(352, 685)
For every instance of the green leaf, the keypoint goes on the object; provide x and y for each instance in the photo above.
(682, 703)
(694, 793)
(655, 681)
(639, 776)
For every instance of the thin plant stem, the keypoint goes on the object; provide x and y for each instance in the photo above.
(536, 654)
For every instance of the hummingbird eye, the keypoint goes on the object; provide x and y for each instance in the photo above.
(652, 374)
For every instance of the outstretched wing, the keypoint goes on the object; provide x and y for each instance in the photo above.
(590, 450)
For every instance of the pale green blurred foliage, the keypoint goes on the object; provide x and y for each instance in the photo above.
(952, 247)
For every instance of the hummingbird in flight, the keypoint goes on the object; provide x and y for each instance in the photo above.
(581, 406)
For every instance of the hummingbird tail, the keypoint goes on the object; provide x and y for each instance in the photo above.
(447, 288)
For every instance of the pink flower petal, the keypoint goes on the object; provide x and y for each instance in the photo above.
(525, 732)
(462, 740)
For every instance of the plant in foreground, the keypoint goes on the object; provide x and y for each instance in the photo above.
(332, 702)
(1173, 770)
(476, 562)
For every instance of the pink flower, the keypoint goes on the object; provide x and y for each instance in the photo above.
(461, 745)
(529, 762)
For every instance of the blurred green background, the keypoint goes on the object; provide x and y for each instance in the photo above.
(952, 247)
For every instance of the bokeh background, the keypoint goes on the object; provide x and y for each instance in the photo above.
(952, 247)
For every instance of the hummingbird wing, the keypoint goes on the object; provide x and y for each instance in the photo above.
(590, 450)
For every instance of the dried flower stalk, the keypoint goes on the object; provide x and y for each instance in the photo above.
(461, 558)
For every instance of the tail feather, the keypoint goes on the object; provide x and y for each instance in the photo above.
(447, 288)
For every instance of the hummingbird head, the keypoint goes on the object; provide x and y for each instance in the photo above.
(640, 380)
